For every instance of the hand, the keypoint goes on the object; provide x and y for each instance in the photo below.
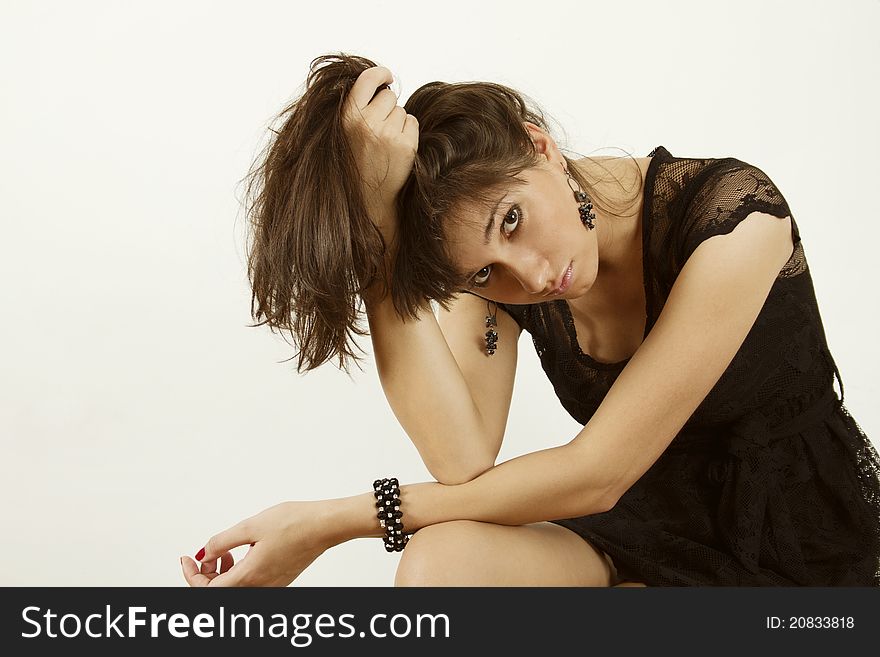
(285, 539)
(384, 140)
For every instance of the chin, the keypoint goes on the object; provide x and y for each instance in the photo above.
(583, 282)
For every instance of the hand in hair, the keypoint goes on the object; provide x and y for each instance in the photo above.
(384, 140)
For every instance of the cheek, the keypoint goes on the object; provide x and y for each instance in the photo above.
(510, 291)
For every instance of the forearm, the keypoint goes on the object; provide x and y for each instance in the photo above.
(560, 482)
(427, 391)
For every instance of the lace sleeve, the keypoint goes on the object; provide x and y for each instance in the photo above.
(725, 198)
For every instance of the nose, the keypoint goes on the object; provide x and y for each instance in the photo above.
(533, 274)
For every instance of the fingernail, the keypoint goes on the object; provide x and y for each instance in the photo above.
(200, 554)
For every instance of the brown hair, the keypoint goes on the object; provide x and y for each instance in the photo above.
(314, 246)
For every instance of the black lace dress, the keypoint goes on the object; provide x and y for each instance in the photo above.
(771, 481)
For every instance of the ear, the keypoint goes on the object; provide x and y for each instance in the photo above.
(543, 142)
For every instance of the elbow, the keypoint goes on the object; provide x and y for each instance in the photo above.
(605, 482)
(610, 497)
(608, 502)
(453, 476)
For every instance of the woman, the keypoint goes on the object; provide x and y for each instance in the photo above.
(683, 333)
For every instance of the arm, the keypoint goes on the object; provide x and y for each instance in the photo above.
(457, 433)
(710, 310)
(713, 304)
(456, 426)
(559, 482)
(287, 537)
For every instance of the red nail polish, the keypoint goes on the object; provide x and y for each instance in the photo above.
(200, 554)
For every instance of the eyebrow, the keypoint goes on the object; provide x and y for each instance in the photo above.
(487, 234)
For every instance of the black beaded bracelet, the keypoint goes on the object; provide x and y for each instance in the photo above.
(387, 493)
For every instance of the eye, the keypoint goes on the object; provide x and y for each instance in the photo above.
(509, 224)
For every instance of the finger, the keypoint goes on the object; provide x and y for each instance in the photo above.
(385, 92)
(236, 535)
(381, 106)
(411, 129)
(191, 573)
(209, 567)
(226, 562)
(368, 81)
(240, 575)
(375, 111)
(236, 576)
(396, 119)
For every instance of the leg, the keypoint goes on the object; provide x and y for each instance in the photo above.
(473, 553)
(616, 578)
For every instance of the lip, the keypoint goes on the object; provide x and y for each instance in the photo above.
(565, 281)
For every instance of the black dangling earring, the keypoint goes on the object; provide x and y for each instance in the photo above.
(491, 334)
(586, 204)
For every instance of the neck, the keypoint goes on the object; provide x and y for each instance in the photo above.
(618, 236)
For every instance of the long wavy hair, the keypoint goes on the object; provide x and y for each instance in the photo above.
(313, 249)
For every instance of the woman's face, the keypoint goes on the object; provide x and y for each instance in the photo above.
(535, 234)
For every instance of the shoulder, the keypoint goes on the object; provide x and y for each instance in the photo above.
(733, 194)
(737, 188)
(761, 239)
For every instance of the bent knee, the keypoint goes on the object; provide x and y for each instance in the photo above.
(436, 555)
(473, 553)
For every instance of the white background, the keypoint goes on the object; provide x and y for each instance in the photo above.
(139, 413)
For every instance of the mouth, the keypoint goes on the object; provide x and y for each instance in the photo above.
(564, 282)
